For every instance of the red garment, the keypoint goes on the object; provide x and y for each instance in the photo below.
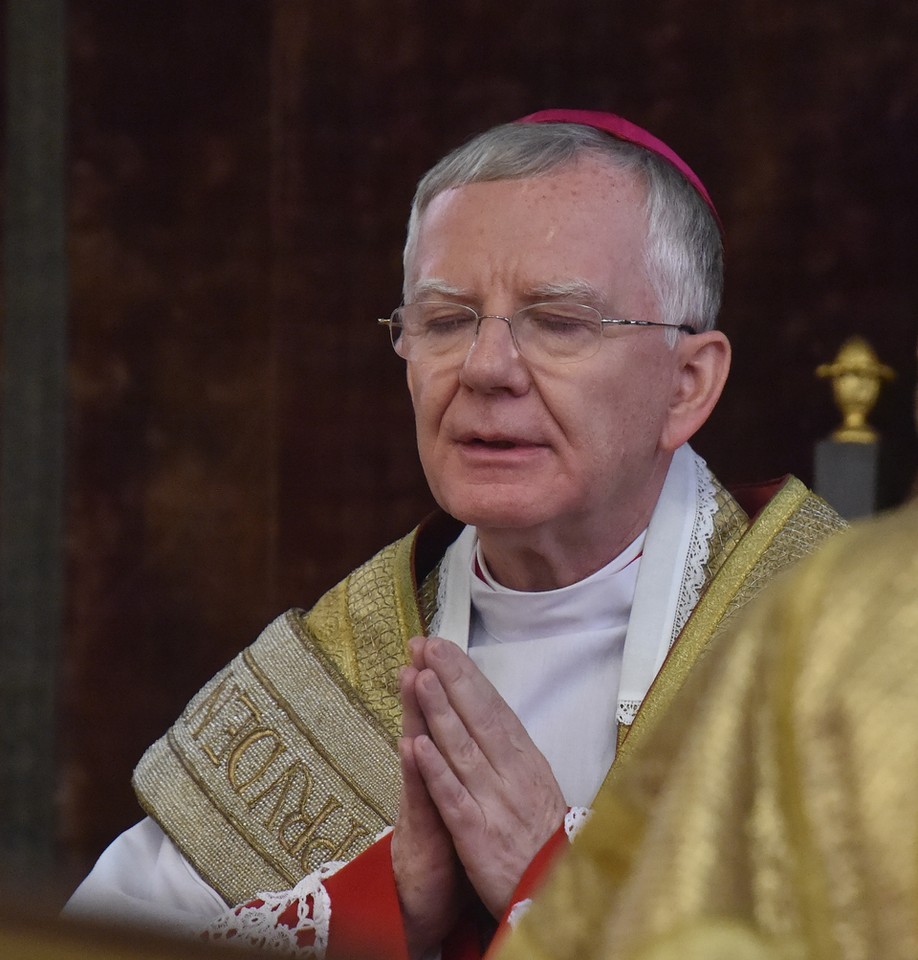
(366, 919)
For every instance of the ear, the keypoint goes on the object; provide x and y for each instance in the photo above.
(702, 365)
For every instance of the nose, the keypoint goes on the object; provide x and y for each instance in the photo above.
(494, 361)
(494, 316)
(493, 338)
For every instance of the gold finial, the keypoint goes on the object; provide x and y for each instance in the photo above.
(856, 375)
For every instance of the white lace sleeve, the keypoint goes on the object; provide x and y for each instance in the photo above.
(291, 922)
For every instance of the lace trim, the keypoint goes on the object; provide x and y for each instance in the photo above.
(627, 711)
(517, 912)
(574, 820)
(443, 576)
(289, 922)
(694, 575)
(693, 578)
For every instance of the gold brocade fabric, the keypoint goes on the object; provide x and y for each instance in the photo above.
(773, 810)
(364, 624)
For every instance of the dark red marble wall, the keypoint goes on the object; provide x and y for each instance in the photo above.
(240, 177)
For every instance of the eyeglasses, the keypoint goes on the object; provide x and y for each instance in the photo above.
(543, 332)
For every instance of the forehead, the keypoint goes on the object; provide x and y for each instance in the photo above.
(586, 221)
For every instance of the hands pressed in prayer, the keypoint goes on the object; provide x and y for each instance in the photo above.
(428, 875)
(474, 776)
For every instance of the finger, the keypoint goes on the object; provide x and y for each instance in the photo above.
(416, 647)
(485, 715)
(448, 732)
(416, 805)
(453, 802)
(424, 862)
(495, 843)
(419, 819)
(413, 722)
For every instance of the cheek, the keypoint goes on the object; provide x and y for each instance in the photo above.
(608, 447)
(410, 380)
(419, 390)
(624, 418)
(429, 398)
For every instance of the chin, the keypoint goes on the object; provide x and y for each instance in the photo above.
(496, 513)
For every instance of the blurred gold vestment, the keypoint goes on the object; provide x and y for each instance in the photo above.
(773, 813)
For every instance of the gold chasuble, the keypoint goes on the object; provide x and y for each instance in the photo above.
(773, 813)
(287, 759)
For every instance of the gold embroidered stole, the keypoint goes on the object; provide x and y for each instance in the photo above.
(286, 759)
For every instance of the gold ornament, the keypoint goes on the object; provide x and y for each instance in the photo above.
(856, 375)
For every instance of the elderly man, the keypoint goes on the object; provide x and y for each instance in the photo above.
(562, 280)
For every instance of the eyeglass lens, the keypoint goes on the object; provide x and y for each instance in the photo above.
(560, 332)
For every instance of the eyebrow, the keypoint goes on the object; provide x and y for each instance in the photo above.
(574, 289)
(433, 287)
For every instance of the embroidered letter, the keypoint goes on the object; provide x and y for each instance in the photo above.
(283, 785)
(238, 780)
(236, 710)
(307, 844)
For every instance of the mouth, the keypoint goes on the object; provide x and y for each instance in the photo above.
(499, 443)
(484, 444)
(499, 452)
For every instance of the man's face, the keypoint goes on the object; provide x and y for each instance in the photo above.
(570, 450)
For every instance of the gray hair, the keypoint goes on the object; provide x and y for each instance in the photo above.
(683, 252)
